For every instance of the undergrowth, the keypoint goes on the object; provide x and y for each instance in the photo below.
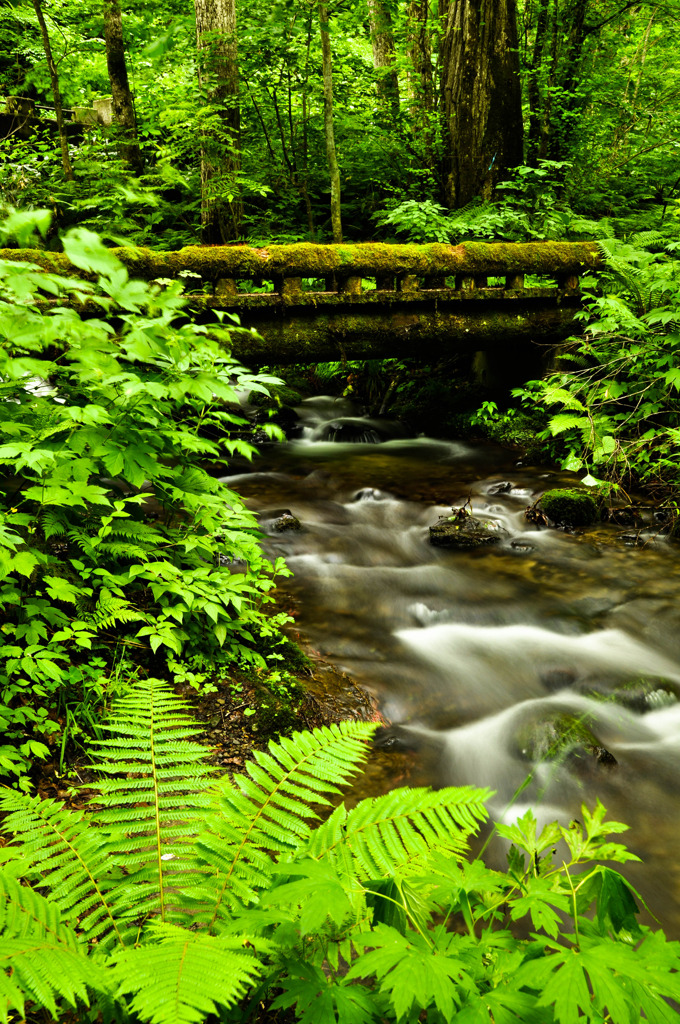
(117, 548)
(172, 896)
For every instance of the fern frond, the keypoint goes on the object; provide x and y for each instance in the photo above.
(268, 813)
(110, 611)
(70, 859)
(54, 523)
(185, 976)
(42, 956)
(647, 238)
(154, 796)
(384, 835)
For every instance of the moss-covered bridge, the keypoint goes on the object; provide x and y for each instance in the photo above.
(313, 303)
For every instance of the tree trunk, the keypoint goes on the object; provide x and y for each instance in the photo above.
(533, 89)
(564, 127)
(123, 106)
(382, 41)
(54, 79)
(331, 154)
(421, 85)
(482, 99)
(221, 206)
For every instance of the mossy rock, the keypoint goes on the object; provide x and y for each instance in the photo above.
(566, 506)
(557, 738)
(279, 395)
(278, 705)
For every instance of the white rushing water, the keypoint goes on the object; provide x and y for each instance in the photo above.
(480, 657)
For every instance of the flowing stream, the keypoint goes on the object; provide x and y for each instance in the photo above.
(483, 658)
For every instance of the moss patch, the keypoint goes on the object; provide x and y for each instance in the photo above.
(304, 259)
(569, 507)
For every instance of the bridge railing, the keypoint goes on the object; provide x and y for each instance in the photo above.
(366, 272)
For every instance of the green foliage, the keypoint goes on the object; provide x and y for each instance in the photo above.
(114, 540)
(423, 221)
(613, 408)
(223, 897)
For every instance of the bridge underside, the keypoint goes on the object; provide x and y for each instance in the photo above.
(378, 325)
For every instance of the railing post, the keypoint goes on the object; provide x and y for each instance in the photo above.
(434, 282)
(481, 281)
(513, 282)
(349, 286)
(407, 283)
(465, 282)
(226, 288)
(290, 287)
(385, 282)
(569, 282)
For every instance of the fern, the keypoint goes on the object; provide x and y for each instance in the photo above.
(268, 812)
(69, 859)
(154, 795)
(46, 959)
(111, 610)
(182, 977)
(389, 834)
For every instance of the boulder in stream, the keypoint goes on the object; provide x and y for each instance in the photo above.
(465, 531)
(279, 520)
(567, 506)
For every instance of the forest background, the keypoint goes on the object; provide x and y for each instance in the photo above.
(171, 897)
(246, 105)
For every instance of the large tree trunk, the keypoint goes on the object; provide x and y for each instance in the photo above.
(382, 41)
(221, 207)
(56, 93)
(123, 106)
(331, 153)
(482, 99)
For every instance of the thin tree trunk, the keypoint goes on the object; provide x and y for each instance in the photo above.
(421, 80)
(482, 100)
(305, 133)
(382, 41)
(533, 90)
(123, 105)
(331, 153)
(221, 206)
(564, 129)
(54, 79)
(421, 84)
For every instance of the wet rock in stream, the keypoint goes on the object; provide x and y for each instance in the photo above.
(465, 532)
(279, 520)
(560, 738)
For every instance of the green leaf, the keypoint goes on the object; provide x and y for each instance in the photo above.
(616, 902)
(86, 251)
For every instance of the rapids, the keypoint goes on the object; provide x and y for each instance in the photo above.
(470, 652)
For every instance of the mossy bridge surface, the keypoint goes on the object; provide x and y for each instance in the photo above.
(313, 303)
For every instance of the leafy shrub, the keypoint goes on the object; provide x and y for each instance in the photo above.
(614, 404)
(172, 897)
(113, 537)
